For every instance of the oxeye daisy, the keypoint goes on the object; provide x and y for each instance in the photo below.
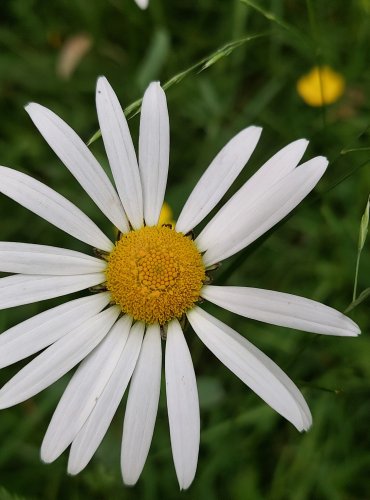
(146, 286)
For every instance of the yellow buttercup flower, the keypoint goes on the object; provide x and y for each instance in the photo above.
(166, 215)
(321, 86)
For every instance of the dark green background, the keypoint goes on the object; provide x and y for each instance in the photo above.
(247, 451)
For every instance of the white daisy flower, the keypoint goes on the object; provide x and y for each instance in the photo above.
(148, 280)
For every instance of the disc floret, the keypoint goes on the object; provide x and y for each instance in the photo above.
(155, 274)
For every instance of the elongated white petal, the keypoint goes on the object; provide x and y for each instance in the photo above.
(52, 207)
(218, 177)
(142, 407)
(42, 330)
(95, 427)
(84, 390)
(27, 258)
(120, 151)
(275, 169)
(253, 367)
(265, 212)
(183, 405)
(79, 160)
(25, 289)
(154, 150)
(57, 359)
(281, 309)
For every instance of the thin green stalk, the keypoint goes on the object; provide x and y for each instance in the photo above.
(363, 296)
(206, 62)
(272, 17)
(354, 150)
(356, 277)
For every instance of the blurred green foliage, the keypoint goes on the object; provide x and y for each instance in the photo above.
(247, 451)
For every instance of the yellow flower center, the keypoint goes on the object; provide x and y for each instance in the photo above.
(155, 274)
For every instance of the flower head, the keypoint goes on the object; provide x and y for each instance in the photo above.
(155, 274)
(152, 277)
(321, 86)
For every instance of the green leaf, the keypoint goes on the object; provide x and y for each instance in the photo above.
(155, 58)
(364, 226)
(6, 495)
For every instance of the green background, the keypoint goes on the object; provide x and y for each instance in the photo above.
(247, 450)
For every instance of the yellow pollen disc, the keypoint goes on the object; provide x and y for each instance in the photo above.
(155, 274)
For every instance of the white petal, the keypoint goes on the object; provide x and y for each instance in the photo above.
(253, 367)
(275, 169)
(217, 179)
(120, 151)
(183, 405)
(262, 214)
(154, 150)
(57, 359)
(27, 258)
(42, 330)
(143, 4)
(83, 391)
(94, 429)
(79, 160)
(52, 207)
(281, 309)
(142, 407)
(25, 289)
